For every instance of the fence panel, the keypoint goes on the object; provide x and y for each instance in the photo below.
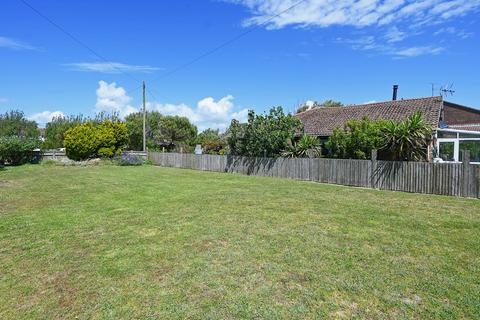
(454, 179)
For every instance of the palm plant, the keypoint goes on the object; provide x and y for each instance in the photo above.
(407, 140)
(306, 147)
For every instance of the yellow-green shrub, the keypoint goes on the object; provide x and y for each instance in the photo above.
(95, 140)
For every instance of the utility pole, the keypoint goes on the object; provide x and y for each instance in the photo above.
(144, 120)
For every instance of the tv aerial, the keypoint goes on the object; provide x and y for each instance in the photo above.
(447, 90)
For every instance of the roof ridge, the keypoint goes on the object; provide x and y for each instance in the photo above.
(372, 103)
(401, 100)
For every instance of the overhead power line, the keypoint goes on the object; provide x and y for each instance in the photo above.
(226, 43)
(76, 40)
(175, 70)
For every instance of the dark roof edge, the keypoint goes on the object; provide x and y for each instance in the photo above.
(459, 106)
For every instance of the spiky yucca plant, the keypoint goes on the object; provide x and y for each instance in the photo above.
(306, 147)
(407, 140)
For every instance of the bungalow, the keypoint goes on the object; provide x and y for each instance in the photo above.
(456, 127)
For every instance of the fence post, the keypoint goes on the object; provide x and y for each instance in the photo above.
(466, 173)
(373, 171)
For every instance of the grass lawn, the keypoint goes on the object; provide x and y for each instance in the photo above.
(148, 242)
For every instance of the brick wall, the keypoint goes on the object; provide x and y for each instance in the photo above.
(454, 114)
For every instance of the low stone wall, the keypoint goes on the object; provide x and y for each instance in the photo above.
(60, 155)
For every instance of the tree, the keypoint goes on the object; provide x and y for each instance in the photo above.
(16, 150)
(331, 104)
(14, 123)
(134, 122)
(211, 141)
(175, 130)
(407, 140)
(316, 104)
(208, 135)
(263, 135)
(56, 129)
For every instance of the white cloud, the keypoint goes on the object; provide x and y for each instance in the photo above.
(370, 43)
(462, 34)
(380, 16)
(3, 100)
(111, 98)
(356, 13)
(395, 35)
(110, 67)
(15, 44)
(418, 51)
(45, 116)
(207, 114)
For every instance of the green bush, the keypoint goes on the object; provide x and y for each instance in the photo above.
(405, 140)
(16, 150)
(95, 140)
(357, 139)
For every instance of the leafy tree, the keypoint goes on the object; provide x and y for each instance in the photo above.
(16, 150)
(407, 140)
(175, 130)
(357, 140)
(306, 147)
(56, 129)
(211, 141)
(331, 104)
(316, 104)
(104, 116)
(208, 135)
(263, 135)
(134, 122)
(14, 123)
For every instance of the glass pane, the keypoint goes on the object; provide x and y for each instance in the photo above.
(446, 151)
(446, 134)
(473, 147)
(469, 135)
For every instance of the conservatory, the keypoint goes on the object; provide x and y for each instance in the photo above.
(451, 143)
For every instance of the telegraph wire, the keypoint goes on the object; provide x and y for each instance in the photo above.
(224, 44)
(76, 40)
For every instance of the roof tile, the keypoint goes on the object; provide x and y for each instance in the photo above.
(322, 121)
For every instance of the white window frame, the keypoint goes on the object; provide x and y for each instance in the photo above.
(455, 147)
(456, 141)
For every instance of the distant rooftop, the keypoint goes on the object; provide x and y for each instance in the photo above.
(322, 121)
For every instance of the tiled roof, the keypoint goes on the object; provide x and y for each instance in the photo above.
(468, 127)
(322, 121)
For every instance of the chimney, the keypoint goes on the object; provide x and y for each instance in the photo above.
(395, 90)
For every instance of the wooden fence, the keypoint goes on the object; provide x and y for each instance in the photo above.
(454, 179)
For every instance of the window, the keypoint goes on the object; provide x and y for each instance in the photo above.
(474, 148)
(469, 135)
(451, 144)
(446, 151)
(447, 134)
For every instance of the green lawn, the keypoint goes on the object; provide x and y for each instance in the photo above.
(148, 242)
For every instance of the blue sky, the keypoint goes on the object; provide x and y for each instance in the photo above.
(352, 51)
